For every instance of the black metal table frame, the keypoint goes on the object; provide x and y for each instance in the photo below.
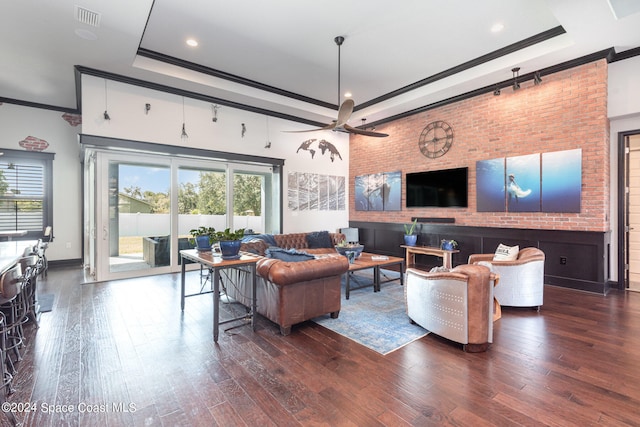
(214, 269)
(376, 276)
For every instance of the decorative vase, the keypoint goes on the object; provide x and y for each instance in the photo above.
(357, 249)
(410, 239)
(230, 249)
(202, 243)
(447, 246)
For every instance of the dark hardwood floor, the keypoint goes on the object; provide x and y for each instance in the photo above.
(122, 354)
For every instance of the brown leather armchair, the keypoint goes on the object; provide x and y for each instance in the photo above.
(457, 304)
(521, 280)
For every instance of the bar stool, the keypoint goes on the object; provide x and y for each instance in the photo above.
(6, 378)
(29, 266)
(12, 308)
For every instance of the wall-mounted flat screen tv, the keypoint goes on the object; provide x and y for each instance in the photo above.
(437, 189)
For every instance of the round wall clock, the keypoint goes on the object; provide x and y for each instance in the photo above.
(436, 139)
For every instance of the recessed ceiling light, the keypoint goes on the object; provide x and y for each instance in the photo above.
(348, 94)
(496, 28)
(192, 42)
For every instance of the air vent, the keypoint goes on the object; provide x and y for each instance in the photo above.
(87, 16)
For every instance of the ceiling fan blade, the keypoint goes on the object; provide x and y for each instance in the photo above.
(345, 112)
(364, 132)
(330, 126)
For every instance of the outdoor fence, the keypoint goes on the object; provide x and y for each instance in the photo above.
(143, 224)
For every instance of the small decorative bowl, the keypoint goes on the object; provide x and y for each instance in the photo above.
(342, 250)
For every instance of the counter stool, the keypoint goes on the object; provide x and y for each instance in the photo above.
(13, 310)
(7, 378)
(29, 266)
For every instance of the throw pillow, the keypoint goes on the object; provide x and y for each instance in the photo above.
(506, 253)
(319, 239)
(439, 269)
(290, 255)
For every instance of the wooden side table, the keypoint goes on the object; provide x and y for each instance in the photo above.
(428, 250)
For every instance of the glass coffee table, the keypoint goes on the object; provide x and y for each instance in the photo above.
(376, 262)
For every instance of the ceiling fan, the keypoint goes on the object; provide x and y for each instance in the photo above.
(345, 111)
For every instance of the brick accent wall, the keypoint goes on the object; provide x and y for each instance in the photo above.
(567, 111)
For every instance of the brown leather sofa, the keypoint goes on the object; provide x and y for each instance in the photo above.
(292, 292)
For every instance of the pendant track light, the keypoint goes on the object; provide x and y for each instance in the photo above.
(184, 137)
(105, 114)
(516, 74)
(536, 78)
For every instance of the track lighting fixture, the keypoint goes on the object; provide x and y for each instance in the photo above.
(244, 130)
(105, 114)
(516, 84)
(184, 137)
(536, 78)
(496, 91)
(268, 143)
(214, 108)
(147, 107)
(364, 127)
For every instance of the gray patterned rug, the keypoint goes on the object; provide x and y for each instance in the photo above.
(46, 302)
(376, 320)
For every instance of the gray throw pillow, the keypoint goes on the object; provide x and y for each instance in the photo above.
(290, 255)
(319, 239)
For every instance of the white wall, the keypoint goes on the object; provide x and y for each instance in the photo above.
(17, 123)
(624, 115)
(163, 124)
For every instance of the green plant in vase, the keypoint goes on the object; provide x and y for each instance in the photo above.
(230, 242)
(203, 237)
(227, 234)
(410, 236)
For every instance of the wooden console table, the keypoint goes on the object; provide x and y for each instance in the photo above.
(428, 250)
(215, 264)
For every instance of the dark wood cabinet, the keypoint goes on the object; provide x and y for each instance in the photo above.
(574, 259)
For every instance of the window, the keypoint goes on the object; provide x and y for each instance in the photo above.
(26, 192)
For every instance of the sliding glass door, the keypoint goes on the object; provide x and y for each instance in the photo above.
(201, 199)
(146, 205)
(134, 236)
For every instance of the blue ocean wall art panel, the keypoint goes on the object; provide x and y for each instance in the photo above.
(490, 190)
(562, 181)
(522, 183)
(547, 182)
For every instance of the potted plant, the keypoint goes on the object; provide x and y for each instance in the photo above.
(410, 237)
(230, 242)
(203, 237)
(448, 245)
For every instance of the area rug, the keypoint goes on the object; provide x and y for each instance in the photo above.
(46, 302)
(377, 320)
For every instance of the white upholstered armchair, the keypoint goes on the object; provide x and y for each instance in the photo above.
(456, 304)
(521, 280)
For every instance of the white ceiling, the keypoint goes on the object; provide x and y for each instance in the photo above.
(289, 45)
